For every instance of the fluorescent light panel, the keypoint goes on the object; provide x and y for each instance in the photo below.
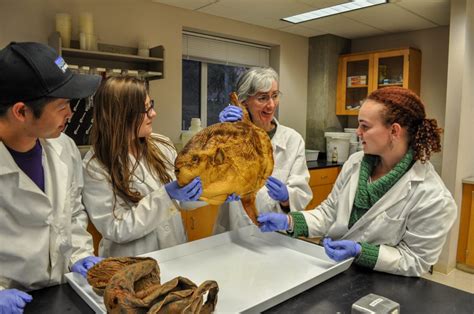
(335, 9)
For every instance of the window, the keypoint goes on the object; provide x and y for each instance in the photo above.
(191, 92)
(211, 67)
(216, 81)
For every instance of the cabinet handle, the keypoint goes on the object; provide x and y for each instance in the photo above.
(324, 177)
(192, 223)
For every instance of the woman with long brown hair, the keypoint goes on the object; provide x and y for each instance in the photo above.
(389, 209)
(129, 182)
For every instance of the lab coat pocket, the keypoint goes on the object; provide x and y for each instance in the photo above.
(385, 230)
(171, 232)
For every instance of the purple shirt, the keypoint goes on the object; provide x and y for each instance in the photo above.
(31, 162)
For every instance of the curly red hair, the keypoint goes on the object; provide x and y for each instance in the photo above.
(404, 107)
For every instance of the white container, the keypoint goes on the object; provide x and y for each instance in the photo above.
(143, 48)
(340, 141)
(311, 155)
(82, 41)
(91, 42)
(193, 129)
(353, 146)
(86, 23)
(63, 26)
(352, 131)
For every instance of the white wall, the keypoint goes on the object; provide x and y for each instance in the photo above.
(458, 160)
(124, 22)
(433, 43)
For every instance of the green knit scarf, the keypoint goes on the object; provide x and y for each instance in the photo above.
(369, 193)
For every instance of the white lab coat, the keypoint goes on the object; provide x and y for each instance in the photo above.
(289, 167)
(410, 222)
(153, 223)
(42, 233)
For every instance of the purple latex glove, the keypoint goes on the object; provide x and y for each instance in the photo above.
(232, 197)
(341, 249)
(13, 301)
(273, 222)
(277, 189)
(83, 265)
(190, 192)
(230, 114)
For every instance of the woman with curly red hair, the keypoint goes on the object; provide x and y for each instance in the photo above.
(389, 209)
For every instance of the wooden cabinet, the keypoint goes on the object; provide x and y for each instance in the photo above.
(199, 222)
(321, 182)
(96, 236)
(361, 73)
(465, 252)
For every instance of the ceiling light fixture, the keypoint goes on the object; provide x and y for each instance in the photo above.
(335, 9)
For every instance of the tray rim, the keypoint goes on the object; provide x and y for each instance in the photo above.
(80, 285)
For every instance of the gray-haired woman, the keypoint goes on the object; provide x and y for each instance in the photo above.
(287, 189)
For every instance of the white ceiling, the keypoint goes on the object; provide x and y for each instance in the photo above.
(396, 16)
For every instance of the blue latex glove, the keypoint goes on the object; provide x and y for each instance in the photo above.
(341, 249)
(13, 301)
(277, 189)
(272, 222)
(83, 265)
(190, 192)
(230, 114)
(232, 197)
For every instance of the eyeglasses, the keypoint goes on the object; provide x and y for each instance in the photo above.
(150, 107)
(265, 98)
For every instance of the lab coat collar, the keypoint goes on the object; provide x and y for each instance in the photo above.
(397, 193)
(280, 137)
(144, 174)
(8, 164)
(55, 146)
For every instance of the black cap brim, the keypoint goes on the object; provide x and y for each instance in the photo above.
(79, 86)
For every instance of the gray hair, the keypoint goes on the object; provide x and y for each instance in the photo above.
(255, 80)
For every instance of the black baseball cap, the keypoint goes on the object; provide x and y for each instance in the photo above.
(30, 70)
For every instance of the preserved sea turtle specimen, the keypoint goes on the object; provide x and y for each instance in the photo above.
(132, 285)
(230, 157)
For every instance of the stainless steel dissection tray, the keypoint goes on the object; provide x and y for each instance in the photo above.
(254, 270)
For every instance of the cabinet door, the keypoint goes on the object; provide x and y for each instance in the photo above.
(397, 68)
(465, 249)
(321, 182)
(320, 193)
(355, 79)
(470, 237)
(199, 222)
(323, 176)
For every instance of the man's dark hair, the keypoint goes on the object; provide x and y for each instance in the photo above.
(36, 105)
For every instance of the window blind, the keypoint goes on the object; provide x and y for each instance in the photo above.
(208, 48)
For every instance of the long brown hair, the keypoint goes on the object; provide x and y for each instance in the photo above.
(118, 113)
(404, 107)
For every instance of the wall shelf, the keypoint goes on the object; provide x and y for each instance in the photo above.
(112, 57)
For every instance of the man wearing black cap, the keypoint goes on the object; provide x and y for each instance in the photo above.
(42, 220)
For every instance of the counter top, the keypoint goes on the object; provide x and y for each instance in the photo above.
(337, 294)
(322, 164)
(415, 295)
(469, 180)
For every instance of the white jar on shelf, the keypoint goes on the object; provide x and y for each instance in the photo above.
(86, 23)
(63, 26)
